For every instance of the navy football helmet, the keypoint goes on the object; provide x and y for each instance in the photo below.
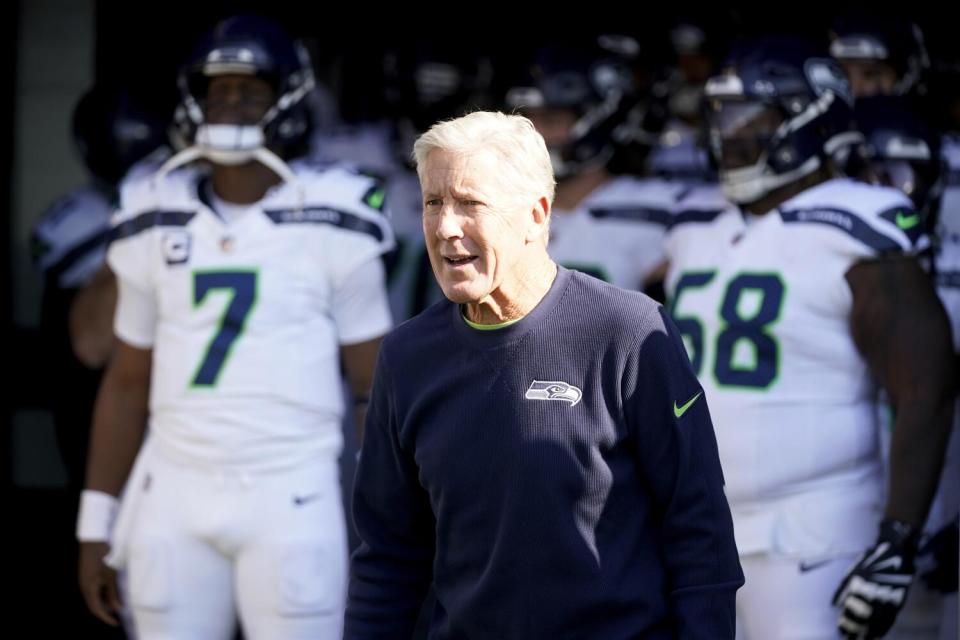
(777, 113)
(246, 45)
(427, 82)
(594, 85)
(112, 131)
(896, 43)
(901, 150)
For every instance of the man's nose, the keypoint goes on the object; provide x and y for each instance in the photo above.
(448, 224)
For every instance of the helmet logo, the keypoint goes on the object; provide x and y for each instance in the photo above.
(824, 75)
(764, 87)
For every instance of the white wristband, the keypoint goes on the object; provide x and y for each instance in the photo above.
(98, 510)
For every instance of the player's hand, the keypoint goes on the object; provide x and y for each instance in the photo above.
(875, 589)
(98, 582)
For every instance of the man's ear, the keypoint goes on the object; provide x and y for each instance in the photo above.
(539, 221)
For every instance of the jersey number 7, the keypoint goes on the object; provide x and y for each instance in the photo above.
(242, 285)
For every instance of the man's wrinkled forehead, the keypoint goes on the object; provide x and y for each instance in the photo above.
(476, 174)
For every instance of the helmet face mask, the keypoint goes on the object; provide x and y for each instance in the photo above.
(741, 131)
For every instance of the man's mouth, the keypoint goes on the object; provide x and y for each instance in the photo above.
(459, 261)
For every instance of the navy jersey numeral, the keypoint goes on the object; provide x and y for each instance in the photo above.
(742, 332)
(242, 286)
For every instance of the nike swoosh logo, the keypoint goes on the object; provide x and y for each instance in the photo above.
(810, 566)
(907, 222)
(302, 500)
(375, 199)
(679, 411)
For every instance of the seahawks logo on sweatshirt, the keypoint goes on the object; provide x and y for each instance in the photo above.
(554, 390)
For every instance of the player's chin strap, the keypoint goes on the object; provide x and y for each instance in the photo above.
(748, 184)
(229, 144)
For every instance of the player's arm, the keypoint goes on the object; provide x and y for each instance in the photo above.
(119, 424)
(359, 362)
(91, 320)
(900, 326)
(362, 313)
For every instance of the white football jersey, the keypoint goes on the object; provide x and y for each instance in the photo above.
(617, 232)
(947, 271)
(948, 233)
(412, 285)
(70, 240)
(764, 307)
(250, 315)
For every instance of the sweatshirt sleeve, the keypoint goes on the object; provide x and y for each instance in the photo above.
(391, 570)
(679, 464)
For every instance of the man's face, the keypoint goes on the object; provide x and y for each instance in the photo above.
(741, 130)
(237, 99)
(869, 77)
(554, 125)
(474, 228)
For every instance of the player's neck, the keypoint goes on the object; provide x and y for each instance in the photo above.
(242, 184)
(778, 196)
(516, 297)
(573, 190)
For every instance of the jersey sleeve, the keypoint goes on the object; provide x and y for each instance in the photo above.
(865, 221)
(352, 208)
(130, 249)
(361, 308)
(356, 237)
(69, 242)
(135, 319)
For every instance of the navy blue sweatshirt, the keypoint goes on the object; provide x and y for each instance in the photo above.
(540, 477)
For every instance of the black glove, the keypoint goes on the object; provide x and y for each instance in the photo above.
(875, 589)
(937, 559)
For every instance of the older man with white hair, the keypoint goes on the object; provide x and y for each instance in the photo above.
(537, 445)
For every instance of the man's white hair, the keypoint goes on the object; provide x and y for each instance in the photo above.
(527, 171)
